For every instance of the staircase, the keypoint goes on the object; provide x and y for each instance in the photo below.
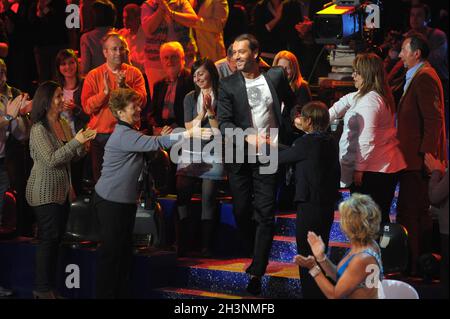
(225, 277)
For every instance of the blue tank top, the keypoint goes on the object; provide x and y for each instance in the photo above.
(368, 251)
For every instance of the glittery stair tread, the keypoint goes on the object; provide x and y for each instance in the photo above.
(202, 293)
(274, 269)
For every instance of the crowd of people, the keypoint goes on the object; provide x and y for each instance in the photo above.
(167, 77)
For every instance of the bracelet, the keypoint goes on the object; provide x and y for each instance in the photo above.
(315, 271)
(212, 117)
(322, 260)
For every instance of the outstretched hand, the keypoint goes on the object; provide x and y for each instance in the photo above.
(305, 262)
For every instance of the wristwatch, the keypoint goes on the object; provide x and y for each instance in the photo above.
(212, 117)
(8, 117)
(314, 271)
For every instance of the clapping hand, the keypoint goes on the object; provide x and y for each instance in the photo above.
(305, 262)
(105, 83)
(120, 79)
(14, 106)
(433, 164)
(85, 135)
(317, 245)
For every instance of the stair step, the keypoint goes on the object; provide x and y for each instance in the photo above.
(229, 277)
(184, 293)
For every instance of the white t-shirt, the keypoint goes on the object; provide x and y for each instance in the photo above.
(67, 115)
(261, 103)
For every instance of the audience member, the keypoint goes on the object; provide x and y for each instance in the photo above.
(212, 17)
(97, 87)
(165, 21)
(68, 76)
(200, 111)
(91, 51)
(438, 193)
(48, 188)
(420, 130)
(317, 170)
(359, 273)
(117, 190)
(368, 148)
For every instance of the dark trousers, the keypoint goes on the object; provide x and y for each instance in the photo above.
(381, 187)
(51, 220)
(413, 213)
(97, 152)
(185, 190)
(317, 218)
(444, 265)
(254, 196)
(116, 221)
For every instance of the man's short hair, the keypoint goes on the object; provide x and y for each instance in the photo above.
(230, 51)
(114, 34)
(253, 42)
(175, 45)
(419, 42)
(318, 113)
(120, 99)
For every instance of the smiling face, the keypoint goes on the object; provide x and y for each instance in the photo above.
(114, 51)
(286, 65)
(357, 78)
(57, 105)
(245, 58)
(202, 78)
(131, 114)
(68, 68)
(172, 61)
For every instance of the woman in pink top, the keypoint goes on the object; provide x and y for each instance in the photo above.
(368, 149)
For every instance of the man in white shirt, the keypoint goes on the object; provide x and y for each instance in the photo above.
(249, 99)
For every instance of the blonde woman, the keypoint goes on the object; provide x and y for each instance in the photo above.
(358, 274)
(288, 61)
(368, 149)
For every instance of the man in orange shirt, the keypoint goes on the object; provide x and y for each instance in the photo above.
(98, 85)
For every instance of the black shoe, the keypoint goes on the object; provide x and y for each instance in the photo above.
(254, 285)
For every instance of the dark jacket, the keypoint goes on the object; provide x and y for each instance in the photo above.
(184, 86)
(317, 170)
(80, 118)
(233, 110)
(421, 119)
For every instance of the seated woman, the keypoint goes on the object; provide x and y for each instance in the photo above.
(359, 273)
(116, 191)
(288, 61)
(68, 75)
(48, 186)
(200, 111)
(368, 149)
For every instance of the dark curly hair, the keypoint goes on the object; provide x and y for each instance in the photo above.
(42, 102)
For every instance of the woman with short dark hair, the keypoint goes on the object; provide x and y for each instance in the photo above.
(48, 186)
(116, 192)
